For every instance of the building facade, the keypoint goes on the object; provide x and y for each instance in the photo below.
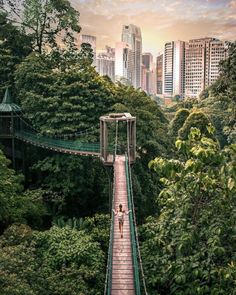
(105, 63)
(123, 63)
(179, 68)
(131, 35)
(202, 58)
(168, 69)
(159, 74)
(174, 69)
(148, 74)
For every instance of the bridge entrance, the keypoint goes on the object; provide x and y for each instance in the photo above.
(120, 139)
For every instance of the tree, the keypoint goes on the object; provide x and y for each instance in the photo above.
(10, 185)
(189, 247)
(151, 140)
(48, 22)
(195, 119)
(60, 261)
(14, 47)
(178, 121)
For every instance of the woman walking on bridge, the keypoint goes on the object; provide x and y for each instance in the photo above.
(120, 214)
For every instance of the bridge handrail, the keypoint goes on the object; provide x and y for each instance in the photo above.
(135, 226)
(132, 231)
(108, 282)
(45, 141)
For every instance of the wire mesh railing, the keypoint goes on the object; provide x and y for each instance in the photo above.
(132, 232)
(48, 142)
(108, 282)
(137, 259)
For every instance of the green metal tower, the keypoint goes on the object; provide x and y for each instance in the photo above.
(9, 121)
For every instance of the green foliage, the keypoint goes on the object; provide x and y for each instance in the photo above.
(178, 121)
(151, 141)
(97, 227)
(195, 119)
(81, 181)
(59, 261)
(61, 102)
(86, 55)
(218, 101)
(16, 206)
(190, 247)
(10, 187)
(14, 46)
(48, 22)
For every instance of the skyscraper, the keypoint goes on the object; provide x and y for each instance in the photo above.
(174, 65)
(179, 68)
(168, 69)
(147, 81)
(123, 63)
(202, 59)
(105, 63)
(131, 35)
(159, 74)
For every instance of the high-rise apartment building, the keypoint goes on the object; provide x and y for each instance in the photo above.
(174, 65)
(159, 74)
(168, 69)
(147, 81)
(131, 35)
(179, 68)
(90, 40)
(202, 58)
(105, 63)
(123, 63)
(217, 53)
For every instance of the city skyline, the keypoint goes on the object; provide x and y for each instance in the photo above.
(160, 21)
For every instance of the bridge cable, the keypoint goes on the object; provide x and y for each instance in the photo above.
(116, 138)
(84, 132)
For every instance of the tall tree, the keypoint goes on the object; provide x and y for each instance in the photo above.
(190, 247)
(48, 22)
(14, 46)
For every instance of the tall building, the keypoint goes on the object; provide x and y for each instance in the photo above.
(217, 53)
(202, 58)
(123, 63)
(131, 35)
(147, 81)
(90, 40)
(179, 68)
(168, 69)
(174, 66)
(105, 63)
(159, 74)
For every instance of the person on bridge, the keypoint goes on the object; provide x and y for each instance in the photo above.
(120, 214)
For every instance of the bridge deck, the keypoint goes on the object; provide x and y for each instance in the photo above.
(122, 270)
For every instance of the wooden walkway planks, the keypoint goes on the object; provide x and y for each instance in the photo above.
(122, 267)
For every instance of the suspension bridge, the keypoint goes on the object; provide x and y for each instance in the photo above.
(124, 272)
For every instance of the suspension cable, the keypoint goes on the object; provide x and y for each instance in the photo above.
(80, 133)
(116, 138)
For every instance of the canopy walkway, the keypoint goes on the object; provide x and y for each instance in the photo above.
(124, 275)
(124, 267)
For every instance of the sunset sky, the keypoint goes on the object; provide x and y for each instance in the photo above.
(160, 20)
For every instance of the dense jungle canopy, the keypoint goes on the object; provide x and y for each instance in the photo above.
(54, 208)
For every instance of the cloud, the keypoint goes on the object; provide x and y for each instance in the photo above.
(160, 20)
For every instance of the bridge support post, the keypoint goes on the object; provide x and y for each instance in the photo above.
(106, 154)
